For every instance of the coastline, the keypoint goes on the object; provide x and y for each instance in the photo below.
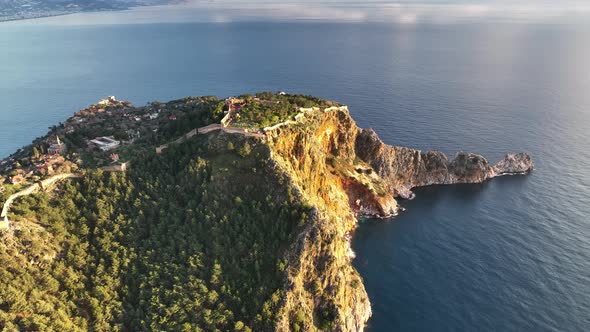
(335, 169)
(9, 19)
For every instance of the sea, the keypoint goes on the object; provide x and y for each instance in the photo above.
(511, 254)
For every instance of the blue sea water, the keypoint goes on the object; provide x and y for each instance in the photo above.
(512, 254)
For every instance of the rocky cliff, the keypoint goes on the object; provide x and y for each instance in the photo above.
(324, 291)
(257, 220)
(404, 168)
(344, 171)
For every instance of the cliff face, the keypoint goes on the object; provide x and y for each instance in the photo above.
(324, 291)
(404, 168)
(344, 171)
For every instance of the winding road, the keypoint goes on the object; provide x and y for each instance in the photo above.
(44, 184)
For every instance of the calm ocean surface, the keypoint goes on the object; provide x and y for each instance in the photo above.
(512, 254)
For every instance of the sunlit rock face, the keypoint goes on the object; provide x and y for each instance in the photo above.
(345, 172)
(519, 163)
(318, 155)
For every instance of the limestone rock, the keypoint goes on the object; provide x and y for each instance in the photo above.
(519, 163)
(344, 171)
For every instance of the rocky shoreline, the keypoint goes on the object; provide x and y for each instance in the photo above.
(347, 172)
(404, 169)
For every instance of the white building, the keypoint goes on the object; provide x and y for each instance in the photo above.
(105, 143)
(108, 101)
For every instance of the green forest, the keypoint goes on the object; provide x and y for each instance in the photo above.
(192, 239)
(276, 108)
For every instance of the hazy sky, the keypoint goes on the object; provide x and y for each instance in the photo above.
(404, 11)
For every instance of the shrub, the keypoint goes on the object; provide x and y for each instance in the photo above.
(245, 150)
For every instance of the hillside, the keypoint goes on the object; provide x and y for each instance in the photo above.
(205, 214)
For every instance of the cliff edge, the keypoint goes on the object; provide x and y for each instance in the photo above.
(345, 171)
(403, 168)
(235, 214)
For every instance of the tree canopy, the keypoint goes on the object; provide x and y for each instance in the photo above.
(191, 239)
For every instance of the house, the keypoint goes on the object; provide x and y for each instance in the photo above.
(153, 116)
(17, 179)
(105, 143)
(45, 168)
(114, 157)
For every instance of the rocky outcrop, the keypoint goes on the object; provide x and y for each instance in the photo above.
(343, 172)
(514, 163)
(404, 168)
(321, 150)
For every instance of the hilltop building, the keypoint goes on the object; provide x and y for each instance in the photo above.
(109, 100)
(57, 148)
(234, 104)
(105, 143)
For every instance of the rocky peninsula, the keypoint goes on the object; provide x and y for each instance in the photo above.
(404, 168)
(289, 167)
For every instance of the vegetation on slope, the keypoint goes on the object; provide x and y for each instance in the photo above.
(212, 234)
(192, 239)
(274, 108)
